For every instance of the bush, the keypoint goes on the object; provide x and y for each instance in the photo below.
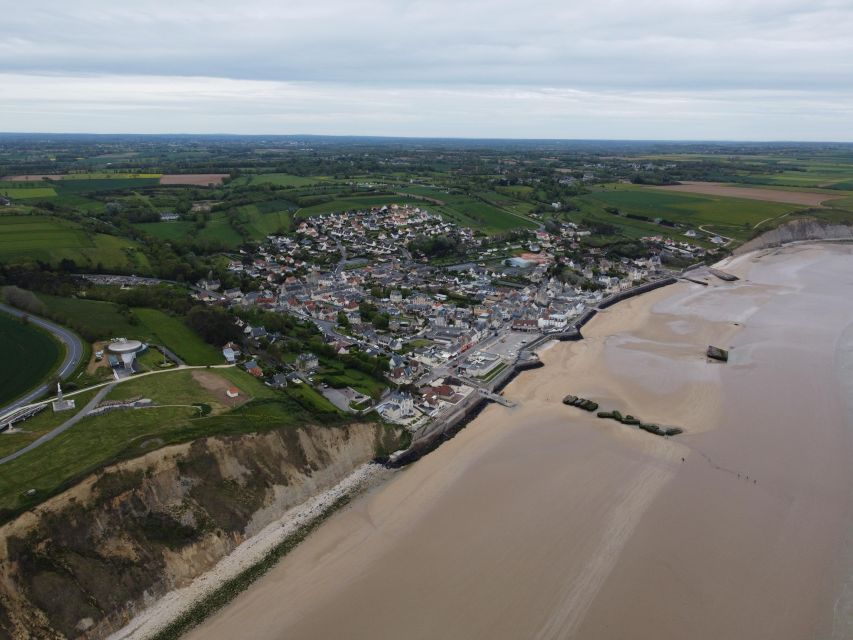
(22, 299)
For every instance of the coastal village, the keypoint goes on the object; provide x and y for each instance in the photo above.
(444, 332)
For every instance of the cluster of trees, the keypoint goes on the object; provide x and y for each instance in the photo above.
(216, 326)
(437, 246)
(370, 313)
(41, 277)
(21, 299)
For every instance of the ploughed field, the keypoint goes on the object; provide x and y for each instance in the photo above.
(805, 198)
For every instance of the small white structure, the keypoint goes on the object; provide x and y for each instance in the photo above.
(232, 392)
(126, 350)
(61, 404)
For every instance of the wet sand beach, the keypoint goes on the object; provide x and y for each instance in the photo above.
(543, 521)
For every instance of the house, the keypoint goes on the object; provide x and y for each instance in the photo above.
(233, 294)
(279, 381)
(229, 355)
(252, 367)
(307, 362)
(255, 333)
(524, 325)
(441, 392)
(169, 217)
(399, 407)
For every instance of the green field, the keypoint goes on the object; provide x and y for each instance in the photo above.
(106, 175)
(217, 229)
(102, 320)
(732, 217)
(29, 356)
(100, 440)
(27, 193)
(49, 240)
(280, 179)
(490, 212)
(172, 332)
(86, 185)
(262, 219)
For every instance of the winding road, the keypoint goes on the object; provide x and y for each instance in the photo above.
(73, 354)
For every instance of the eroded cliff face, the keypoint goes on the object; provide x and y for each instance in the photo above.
(82, 564)
(802, 229)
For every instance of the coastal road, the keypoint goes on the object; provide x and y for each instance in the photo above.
(73, 354)
(65, 426)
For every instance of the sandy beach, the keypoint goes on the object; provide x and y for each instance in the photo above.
(543, 521)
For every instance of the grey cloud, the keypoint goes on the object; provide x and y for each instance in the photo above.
(612, 43)
(756, 69)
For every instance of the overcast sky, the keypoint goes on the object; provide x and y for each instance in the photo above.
(639, 69)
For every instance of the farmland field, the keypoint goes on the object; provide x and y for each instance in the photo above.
(804, 198)
(473, 212)
(49, 240)
(86, 185)
(25, 193)
(733, 217)
(280, 179)
(194, 179)
(263, 223)
(89, 175)
(29, 355)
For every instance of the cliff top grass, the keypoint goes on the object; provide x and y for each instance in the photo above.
(98, 441)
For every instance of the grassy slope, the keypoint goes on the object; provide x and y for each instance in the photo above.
(102, 318)
(172, 332)
(29, 355)
(100, 440)
(105, 320)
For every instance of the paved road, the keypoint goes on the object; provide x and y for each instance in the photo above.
(73, 354)
(50, 435)
(343, 251)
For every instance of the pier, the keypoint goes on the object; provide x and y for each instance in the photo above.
(496, 398)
